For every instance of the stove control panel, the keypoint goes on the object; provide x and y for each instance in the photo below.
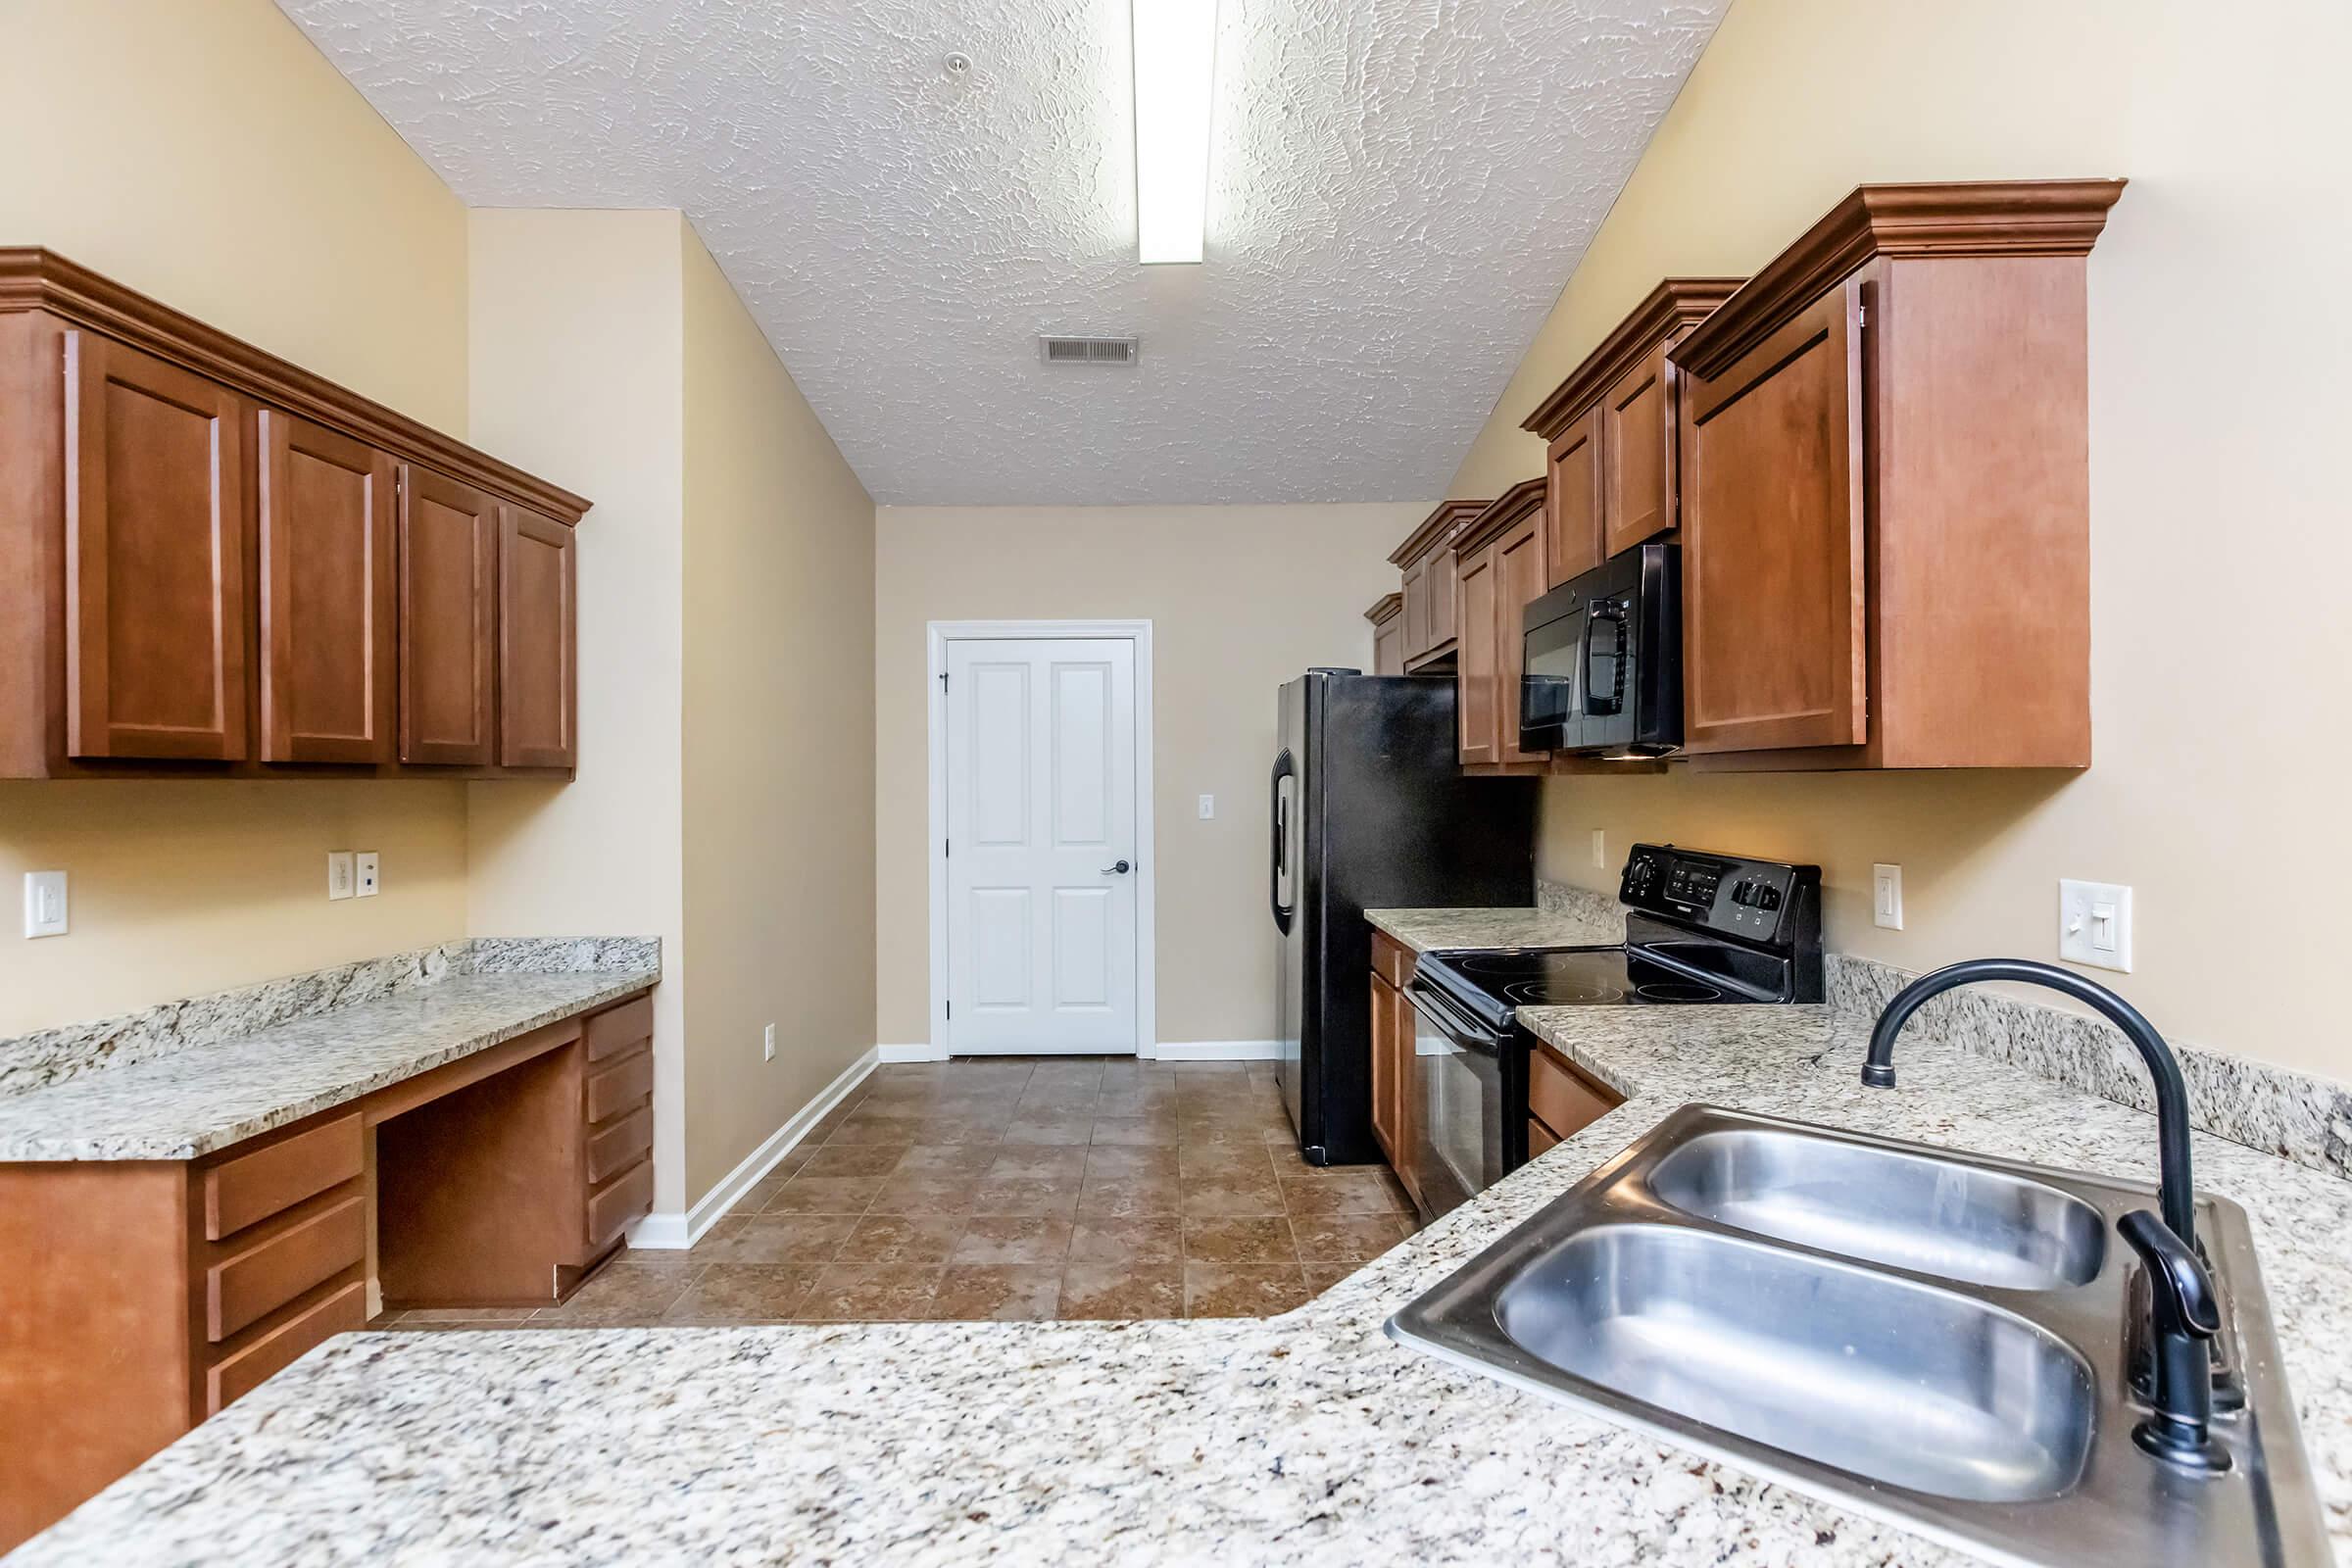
(1729, 894)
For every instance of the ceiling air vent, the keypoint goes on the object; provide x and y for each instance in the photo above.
(1055, 350)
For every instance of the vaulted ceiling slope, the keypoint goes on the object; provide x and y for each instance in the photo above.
(1400, 188)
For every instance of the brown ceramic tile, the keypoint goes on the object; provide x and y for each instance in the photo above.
(1251, 1240)
(1026, 1195)
(775, 1239)
(1349, 1239)
(1354, 1191)
(825, 1195)
(1242, 1289)
(1119, 1195)
(1209, 1198)
(1321, 1277)
(1073, 1127)
(1231, 1162)
(789, 1162)
(630, 1289)
(854, 1159)
(902, 1239)
(872, 1293)
(974, 1293)
(1233, 1133)
(949, 1160)
(1144, 1130)
(1014, 1238)
(1124, 1290)
(1112, 1239)
(744, 1293)
(429, 1316)
(1131, 1159)
(1039, 1162)
(492, 1325)
(924, 1192)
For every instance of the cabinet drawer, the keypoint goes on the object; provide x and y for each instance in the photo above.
(1538, 1138)
(251, 1284)
(628, 1138)
(617, 1088)
(1392, 959)
(253, 1187)
(626, 1197)
(233, 1376)
(616, 1029)
(1562, 1098)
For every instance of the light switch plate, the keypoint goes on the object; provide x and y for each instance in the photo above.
(768, 1044)
(2094, 924)
(1209, 807)
(364, 870)
(1886, 897)
(1600, 850)
(44, 903)
(338, 874)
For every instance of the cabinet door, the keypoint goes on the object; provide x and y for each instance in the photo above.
(1388, 647)
(1384, 1097)
(447, 599)
(1572, 499)
(1518, 581)
(1440, 571)
(327, 601)
(537, 701)
(155, 549)
(1474, 679)
(1637, 454)
(1773, 563)
(1413, 624)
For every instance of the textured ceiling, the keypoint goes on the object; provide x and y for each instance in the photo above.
(1399, 188)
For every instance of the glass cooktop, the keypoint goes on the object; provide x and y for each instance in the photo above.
(1562, 977)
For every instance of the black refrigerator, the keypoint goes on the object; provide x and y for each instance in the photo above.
(1371, 811)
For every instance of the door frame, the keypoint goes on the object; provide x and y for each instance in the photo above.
(938, 634)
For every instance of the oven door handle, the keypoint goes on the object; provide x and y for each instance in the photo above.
(1457, 1025)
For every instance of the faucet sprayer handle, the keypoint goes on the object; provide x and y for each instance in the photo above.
(2183, 1285)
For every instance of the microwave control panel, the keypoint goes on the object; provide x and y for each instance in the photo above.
(1724, 892)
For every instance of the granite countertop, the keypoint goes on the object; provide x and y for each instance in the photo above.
(1424, 929)
(1308, 1437)
(193, 1102)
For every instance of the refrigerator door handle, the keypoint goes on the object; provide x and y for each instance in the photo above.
(1280, 815)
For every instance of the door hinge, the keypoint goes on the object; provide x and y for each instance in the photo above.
(947, 848)
(950, 1009)
(942, 680)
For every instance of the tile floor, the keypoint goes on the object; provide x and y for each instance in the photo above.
(1015, 1188)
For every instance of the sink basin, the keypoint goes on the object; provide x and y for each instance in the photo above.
(1910, 1211)
(1938, 1340)
(1871, 1373)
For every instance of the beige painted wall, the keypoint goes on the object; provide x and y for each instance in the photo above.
(207, 155)
(779, 738)
(1241, 599)
(577, 360)
(2218, 330)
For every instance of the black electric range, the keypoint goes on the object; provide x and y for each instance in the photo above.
(1700, 929)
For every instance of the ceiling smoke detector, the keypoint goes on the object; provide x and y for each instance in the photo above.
(1056, 349)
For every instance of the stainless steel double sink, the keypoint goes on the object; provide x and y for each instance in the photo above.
(1943, 1341)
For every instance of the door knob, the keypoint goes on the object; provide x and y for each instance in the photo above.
(1120, 869)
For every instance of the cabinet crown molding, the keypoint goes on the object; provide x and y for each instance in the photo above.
(1975, 219)
(1674, 304)
(1387, 607)
(33, 278)
(1506, 509)
(1449, 515)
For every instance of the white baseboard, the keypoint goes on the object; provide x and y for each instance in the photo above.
(924, 1051)
(671, 1232)
(1218, 1049)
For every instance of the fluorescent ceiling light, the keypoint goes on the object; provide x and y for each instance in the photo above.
(1175, 60)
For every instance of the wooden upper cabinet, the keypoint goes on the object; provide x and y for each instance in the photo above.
(1387, 616)
(1519, 579)
(155, 531)
(1572, 505)
(1610, 431)
(448, 535)
(1474, 706)
(1427, 562)
(328, 603)
(537, 698)
(1773, 561)
(1884, 483)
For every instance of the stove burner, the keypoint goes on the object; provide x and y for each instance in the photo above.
(1559, 993)
(1677, 991)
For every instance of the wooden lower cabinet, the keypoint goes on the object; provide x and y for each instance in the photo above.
(137, 1297)
(1393, 1106)
(1561, 1102)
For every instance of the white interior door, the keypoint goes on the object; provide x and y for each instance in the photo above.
(1041, 845)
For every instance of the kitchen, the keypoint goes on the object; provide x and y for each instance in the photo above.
(668, 855)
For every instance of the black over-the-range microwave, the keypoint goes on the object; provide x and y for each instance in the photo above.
(1603, 675)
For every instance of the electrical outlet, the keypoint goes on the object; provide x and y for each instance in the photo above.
(1600, 850)
(1886, 897)
(768, 1044)
(44, 903)
(339, 874)
(363, 871)
(2094, 924)
(1209, 807)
